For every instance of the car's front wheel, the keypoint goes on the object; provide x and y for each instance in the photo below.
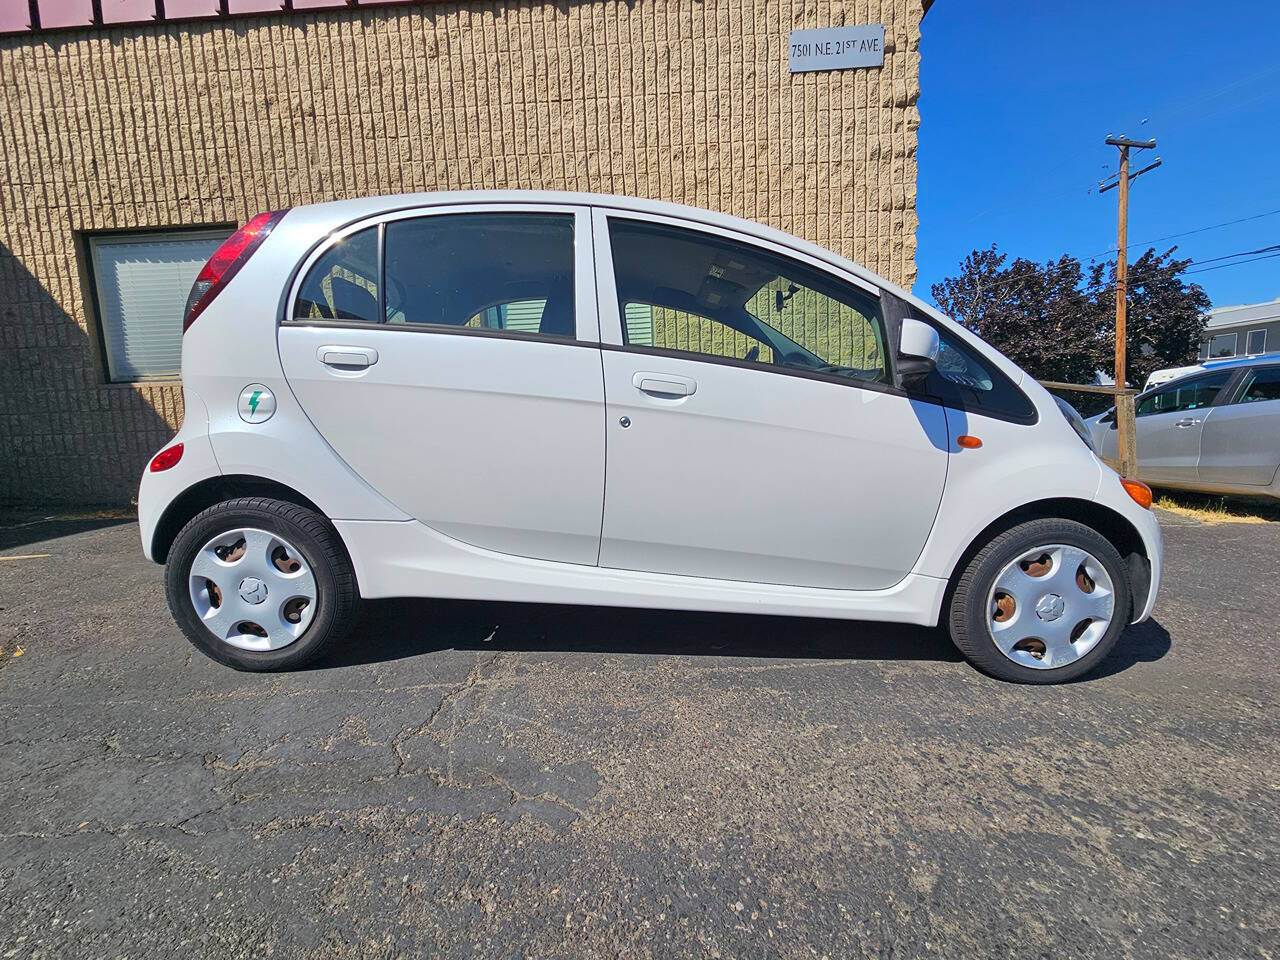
(260, 584)
(1043, 602)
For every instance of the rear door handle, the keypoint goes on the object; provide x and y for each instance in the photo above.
(667, 385)
(347, 358)
(1187, 422)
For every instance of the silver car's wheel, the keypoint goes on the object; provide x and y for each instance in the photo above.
(1050, 606)
(253, 589)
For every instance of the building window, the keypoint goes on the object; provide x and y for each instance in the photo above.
(141, 282)
(1223, 345)
(1257, 342)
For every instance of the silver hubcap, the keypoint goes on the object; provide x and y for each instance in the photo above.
(253, 589)
(1050, 606)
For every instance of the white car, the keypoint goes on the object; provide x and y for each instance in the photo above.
(572, 398)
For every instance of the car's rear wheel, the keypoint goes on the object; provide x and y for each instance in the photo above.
(1043, 602)
(260, 584)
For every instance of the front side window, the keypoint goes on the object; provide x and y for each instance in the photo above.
(1261, 385)
(491, 271)
(963, 379)
(141, 282)
(1257, 342)
(1186, 395)
(343, 283)
(1223, 345)
(702, 294)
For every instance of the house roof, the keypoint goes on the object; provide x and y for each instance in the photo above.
(1243, 314)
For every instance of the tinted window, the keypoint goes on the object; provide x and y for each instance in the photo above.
(343, 283)
(1257, 342)
(1184, 395)
(702, 294)
(495, 271)
(963, 379)
(1261, 385)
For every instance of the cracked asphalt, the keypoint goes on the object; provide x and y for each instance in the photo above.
(495, 780)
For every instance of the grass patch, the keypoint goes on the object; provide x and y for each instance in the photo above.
(1209, 508)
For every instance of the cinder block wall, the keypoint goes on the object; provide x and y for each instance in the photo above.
(209, 123)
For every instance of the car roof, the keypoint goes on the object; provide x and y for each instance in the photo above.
(1241, 361)
(338, 213)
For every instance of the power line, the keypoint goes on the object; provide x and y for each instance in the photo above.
(1237, 263)
(1186, 233)
(1232, 256)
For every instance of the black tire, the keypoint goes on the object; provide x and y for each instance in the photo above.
(337, 596)
(969, 620)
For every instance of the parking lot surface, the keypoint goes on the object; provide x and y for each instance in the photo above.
(467, 779)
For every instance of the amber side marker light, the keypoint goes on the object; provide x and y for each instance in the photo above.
(968, 441)
(167, 458)
(1139, 491)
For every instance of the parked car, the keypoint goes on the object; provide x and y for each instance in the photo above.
(586, 399)
(1216, 430)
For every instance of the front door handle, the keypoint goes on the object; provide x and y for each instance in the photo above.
(667, 385)
(1187, 422)
(347, 358)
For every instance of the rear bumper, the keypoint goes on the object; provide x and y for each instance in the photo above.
(157, 491)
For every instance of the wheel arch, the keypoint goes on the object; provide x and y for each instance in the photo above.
(212, 490)
(1119, 531)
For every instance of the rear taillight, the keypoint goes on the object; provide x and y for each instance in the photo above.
(227, 261)
(166, 458)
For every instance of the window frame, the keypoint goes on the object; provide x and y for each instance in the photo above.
(1245, 379)
(90, 281)
(611, 320)
(1248, 339)
(586, 327)
(1228, 390)
(1235, 344)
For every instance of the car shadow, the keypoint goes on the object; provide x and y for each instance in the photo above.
(398, 629)
(21, 529)
(1144, 642)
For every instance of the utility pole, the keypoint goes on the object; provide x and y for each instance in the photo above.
(1125, 425)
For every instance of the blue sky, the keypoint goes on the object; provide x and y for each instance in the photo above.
(1017, 98)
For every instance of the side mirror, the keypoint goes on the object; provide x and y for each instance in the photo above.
(917, 350)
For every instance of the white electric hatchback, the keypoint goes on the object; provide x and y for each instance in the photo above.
(588, 399)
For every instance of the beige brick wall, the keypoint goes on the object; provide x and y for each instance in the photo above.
(208, 123)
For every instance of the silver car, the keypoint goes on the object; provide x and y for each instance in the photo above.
(1216, 430)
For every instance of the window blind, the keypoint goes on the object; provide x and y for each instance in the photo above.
(142, 283)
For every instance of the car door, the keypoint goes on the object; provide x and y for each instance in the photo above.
(450, 357)
(1169, 423)
(753, 433)
(1241, 439)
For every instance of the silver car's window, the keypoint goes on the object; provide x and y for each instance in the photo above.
(1184, 395)
(1261, 385)
(707, 295)
(343, 283)
(492, 271)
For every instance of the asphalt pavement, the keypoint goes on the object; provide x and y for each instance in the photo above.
(504, 780)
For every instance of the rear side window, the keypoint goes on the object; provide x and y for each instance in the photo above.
(1184, 395)
(1261, 385)
(492, 271)
(343, 283)
(963, 379)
